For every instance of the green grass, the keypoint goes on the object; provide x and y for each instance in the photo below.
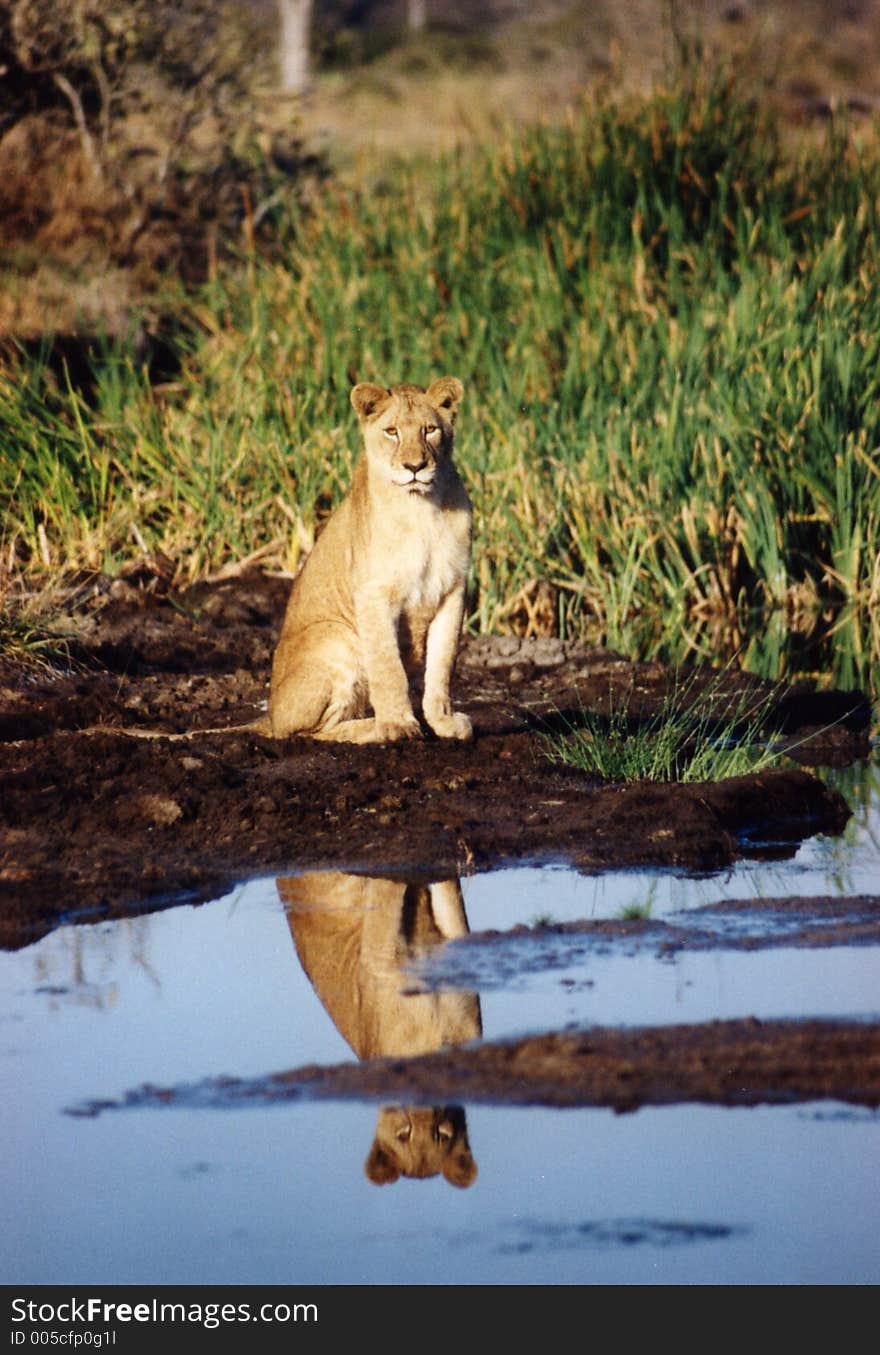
(669, 334)
(635, 912)
(31, 642)
(701, 731)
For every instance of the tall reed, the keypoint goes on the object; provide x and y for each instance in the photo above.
(669, 333)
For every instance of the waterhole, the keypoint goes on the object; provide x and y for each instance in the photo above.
(189, 1188)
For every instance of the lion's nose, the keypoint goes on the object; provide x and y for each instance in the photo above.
(415, 466)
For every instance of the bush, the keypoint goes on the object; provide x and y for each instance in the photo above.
(134, 133)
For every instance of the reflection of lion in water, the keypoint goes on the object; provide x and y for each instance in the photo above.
(353, 936)
(419, 1141)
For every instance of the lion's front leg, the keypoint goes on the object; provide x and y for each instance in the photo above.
(441, 648)
(386, 675)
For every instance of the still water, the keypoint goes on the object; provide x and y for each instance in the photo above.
(279, 1194)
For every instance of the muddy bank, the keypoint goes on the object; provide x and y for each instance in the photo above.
(96, 824)
(815, 922)
(732, 1063)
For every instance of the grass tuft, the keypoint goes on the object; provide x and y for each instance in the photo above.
(701, 731)
(33, 645)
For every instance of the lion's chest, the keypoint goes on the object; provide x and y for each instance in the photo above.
(415, 560)
(424, 570)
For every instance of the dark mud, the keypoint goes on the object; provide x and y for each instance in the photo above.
(734, 1063)
(95, 824)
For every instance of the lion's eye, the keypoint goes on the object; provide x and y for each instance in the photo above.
(431, 428)
(390, 432)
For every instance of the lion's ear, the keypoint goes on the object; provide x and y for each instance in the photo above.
(380, 1167)
(366, 398)
(460, 1169)
(446, 393)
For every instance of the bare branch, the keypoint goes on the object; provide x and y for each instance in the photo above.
(85, 135)
(104, 87)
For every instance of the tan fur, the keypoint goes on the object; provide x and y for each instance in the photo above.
(418, 1142)
(379, 603)
(354, 936)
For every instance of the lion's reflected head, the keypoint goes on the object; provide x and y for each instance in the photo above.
(421, 1141)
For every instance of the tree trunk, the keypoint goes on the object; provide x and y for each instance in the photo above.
(416, 15)
(295, 18)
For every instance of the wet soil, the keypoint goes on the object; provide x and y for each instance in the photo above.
(97, 824)
(735, 1063)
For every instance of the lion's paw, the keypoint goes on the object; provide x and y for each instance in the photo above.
(391, 731)
(454, 726)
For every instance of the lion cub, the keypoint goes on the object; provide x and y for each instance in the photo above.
(380, 600)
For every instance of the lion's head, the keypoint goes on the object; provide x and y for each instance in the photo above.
(408, 431)
(421, 1141)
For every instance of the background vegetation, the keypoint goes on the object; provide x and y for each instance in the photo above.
(666, 315)
(137, 138)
